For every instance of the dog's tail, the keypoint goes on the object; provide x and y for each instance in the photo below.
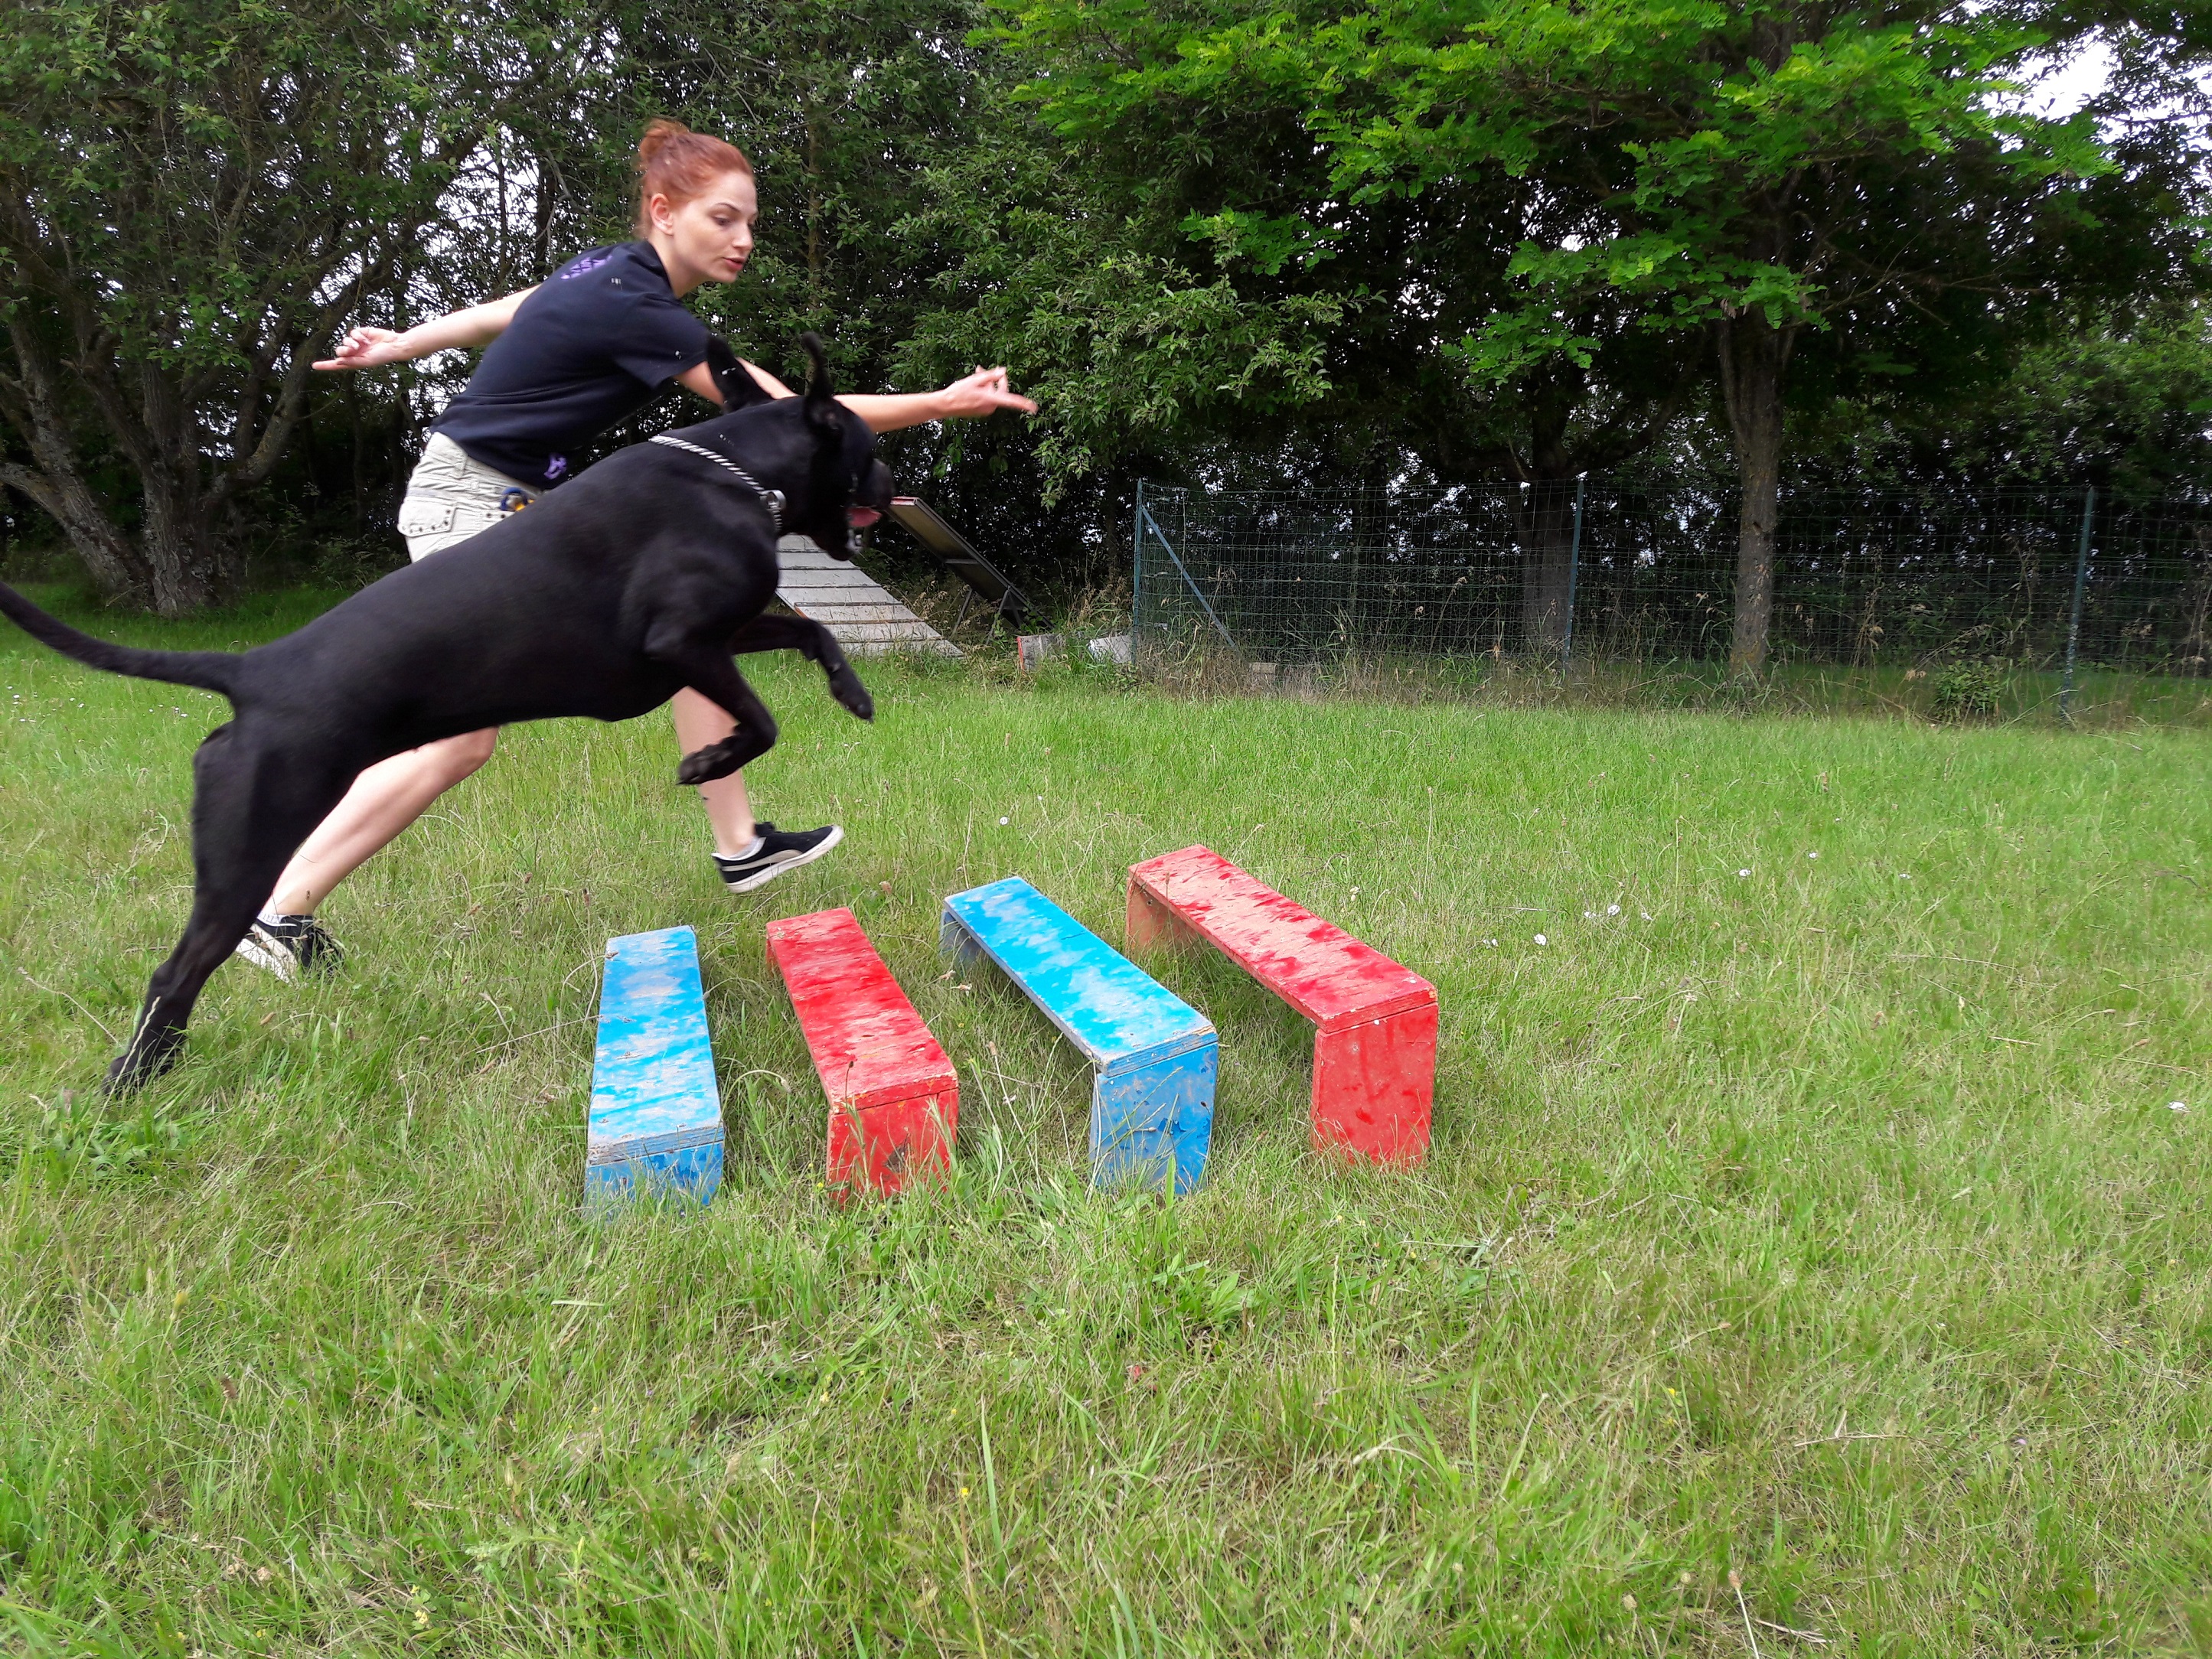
(211, 671)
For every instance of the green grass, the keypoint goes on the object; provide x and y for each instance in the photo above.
(1827, 1225)
(2106, 700)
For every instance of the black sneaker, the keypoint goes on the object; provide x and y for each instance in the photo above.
(290, 947)
(779, 850)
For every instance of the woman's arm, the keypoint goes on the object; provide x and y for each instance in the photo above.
(983, 392)
(700, 379)
(474, 325)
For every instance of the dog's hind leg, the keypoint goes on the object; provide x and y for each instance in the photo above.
(250, 811)
(817, 644)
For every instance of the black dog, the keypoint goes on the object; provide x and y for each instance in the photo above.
(646, 573)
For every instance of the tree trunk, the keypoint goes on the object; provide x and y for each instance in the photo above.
(182, 561)
(1546, 522)
(1754, 359)
(360, 455)
(1545, 519)
(55, 483)
(185, 571)
(541, 206)
(813, 209)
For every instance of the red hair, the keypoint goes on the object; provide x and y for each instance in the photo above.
(674, 161)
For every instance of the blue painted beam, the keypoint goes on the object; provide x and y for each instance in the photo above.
(1155, 1058)
(656, 1113)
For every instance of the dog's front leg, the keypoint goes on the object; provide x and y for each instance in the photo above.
(817, 644)
(708, 670)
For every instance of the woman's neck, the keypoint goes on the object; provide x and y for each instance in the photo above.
(681, 279)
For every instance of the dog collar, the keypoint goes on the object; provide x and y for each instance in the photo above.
(771, 499)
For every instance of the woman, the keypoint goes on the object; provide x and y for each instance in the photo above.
(565, 360)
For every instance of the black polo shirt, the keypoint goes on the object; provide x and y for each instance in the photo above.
(594, 343)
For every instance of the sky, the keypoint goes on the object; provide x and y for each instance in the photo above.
(2071, 80)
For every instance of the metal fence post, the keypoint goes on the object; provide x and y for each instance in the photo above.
(1574, 567)
(1137, 573)
(2081, 580)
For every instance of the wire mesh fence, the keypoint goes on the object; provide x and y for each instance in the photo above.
(1598, 571)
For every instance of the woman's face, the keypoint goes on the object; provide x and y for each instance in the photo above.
(710, 237)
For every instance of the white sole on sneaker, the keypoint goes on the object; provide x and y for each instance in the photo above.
(278, 963)
(836, 834)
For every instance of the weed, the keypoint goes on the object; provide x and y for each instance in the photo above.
(1972, 687)
(81, 1136)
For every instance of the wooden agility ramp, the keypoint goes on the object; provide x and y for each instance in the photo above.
(866, 617)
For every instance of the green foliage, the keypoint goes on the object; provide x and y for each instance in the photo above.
(1332, 242)
(81, 1135)
(1738, 159)
(1204, 128)
(2124, 402)
(1972, 687)
(196, 196)
(1688, 140)
(1129, 352)
(1653, 173)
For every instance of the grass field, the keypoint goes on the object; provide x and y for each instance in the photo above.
(1812, 1259)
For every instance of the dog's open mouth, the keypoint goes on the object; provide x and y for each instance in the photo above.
(861, 517)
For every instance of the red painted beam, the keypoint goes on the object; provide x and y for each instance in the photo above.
(894, 1099)
(1375, 1021)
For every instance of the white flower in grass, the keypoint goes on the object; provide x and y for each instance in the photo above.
(1741, 874)
(1541, 939)
(1589, 915)
(1003, 822)
(1613, 909)
(2177, 1105)
(1646, 914)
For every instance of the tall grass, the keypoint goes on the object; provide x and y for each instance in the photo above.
(1813, 1244)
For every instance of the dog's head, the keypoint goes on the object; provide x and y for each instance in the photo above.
(847, 488)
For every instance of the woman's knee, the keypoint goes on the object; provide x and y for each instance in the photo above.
(461, 756)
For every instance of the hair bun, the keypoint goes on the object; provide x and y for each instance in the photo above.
(658, 132)
(674, 161)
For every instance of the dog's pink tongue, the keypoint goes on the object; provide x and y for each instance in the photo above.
(861, 517)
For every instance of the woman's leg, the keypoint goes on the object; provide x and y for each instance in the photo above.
(698, 723)
(449, 498)
(383, 801)
(747, 854)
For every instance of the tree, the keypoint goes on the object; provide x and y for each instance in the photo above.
(197, 192)
(1215, 134)
(1770, 171)
(2123, 403)
(926, 223)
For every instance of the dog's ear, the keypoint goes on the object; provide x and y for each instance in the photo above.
(822, 413)
(739, 388)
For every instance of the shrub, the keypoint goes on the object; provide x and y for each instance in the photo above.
(1972, 689)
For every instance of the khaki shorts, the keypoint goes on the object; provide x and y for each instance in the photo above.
(450, 498)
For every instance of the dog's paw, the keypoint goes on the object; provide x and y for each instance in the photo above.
(717, 759)
(146, 1059)
(852, 697)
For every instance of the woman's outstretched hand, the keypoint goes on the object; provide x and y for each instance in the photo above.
(983, 392)
(366, 348)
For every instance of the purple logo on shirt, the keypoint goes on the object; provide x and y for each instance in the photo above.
(584, 266)
(556, 466)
